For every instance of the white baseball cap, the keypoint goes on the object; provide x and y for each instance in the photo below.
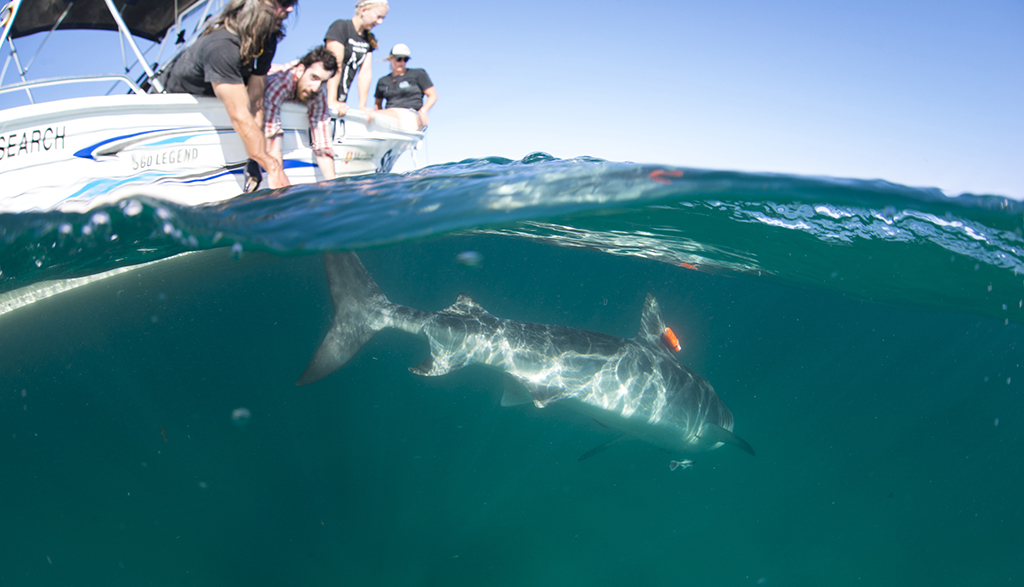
(400, 50)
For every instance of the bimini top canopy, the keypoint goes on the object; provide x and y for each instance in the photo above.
(148, 19)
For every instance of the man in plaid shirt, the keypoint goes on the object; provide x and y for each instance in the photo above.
(302, 81)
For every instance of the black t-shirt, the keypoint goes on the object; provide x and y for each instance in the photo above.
(404, 91)
(357, 48)
(214, 58)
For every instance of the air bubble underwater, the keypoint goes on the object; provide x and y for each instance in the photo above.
(471, 259)
(241, 416)
(131, 208)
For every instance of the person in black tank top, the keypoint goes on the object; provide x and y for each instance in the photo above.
(352, 42)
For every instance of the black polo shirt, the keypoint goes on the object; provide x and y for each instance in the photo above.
(404, 91)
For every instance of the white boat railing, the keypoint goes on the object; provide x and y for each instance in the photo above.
(57, 81)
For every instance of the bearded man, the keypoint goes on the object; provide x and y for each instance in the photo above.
(302, 81)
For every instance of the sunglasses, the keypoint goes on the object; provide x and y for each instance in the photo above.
(287, 3)
(400, 59)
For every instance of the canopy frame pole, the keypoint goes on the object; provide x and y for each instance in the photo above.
(21, 72)
(135, 48)
(128, 70)
(170, 32)
(202, 18)
(177, 27)
(47, 37)
(13, 7)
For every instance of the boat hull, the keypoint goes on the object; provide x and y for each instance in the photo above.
(75, 154)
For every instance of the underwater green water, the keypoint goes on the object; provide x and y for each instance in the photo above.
(888, 436)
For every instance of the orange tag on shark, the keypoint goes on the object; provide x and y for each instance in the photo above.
(662, 175)
(671, 340)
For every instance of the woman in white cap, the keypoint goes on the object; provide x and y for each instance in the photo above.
(404, 90)
(351, 42)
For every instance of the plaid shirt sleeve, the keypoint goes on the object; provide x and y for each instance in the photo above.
(320, 124)
(280, 85)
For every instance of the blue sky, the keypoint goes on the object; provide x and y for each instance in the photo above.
(920, 93)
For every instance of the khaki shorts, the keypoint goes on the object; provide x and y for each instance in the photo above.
(398, 119)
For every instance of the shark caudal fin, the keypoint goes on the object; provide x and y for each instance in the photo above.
(357, 304)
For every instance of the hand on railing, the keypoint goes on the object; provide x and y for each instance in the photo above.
(338, 109)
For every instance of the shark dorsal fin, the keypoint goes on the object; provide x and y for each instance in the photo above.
(465, 306)
(651, 324)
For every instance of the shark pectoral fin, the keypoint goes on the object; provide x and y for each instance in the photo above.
(518, 390)
(716, 433)
(602, 447)
(514, 392)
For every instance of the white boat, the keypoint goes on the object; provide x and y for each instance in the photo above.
(73, 154)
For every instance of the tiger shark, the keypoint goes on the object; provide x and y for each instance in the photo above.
(635, 386)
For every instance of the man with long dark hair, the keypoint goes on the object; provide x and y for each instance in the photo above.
(230, 60)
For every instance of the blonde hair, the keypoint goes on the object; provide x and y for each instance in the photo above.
(361, 4)
(253, 21)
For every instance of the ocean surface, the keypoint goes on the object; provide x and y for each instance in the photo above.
(867, 337)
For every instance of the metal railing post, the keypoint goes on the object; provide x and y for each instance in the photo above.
(131, 42)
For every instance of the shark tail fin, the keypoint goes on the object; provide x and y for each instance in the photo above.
(357, 304)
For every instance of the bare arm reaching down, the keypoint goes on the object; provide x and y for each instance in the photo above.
(246, 118)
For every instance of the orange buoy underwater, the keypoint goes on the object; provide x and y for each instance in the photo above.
(671, 340)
